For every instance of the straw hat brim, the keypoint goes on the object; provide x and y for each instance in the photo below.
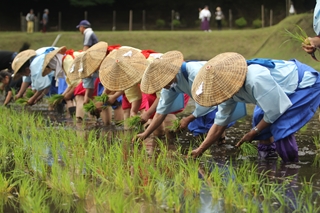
(161, 71)
(73, 72)
(20, 60)
(49, 57)
(219, 79)
(122, 69)
(92, 58)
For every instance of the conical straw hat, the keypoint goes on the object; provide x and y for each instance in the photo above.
(50, 56)
(92, 59)
(73, 72)
(122, 69)
(161, 71)
(20, 60)
(219, 79)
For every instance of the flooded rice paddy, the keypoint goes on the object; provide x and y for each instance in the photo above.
(51, 163)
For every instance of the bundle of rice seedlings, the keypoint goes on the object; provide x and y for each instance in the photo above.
(103, 98)
(175, 125)
(301, 37)
(22, 101)
(248, 149)
(29, 93)
(133, 121)
(89, 107)
(55, 99)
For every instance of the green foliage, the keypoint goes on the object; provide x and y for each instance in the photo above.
(55, 99)
(241, 22)
(300, 36)
(176, 23)
(29, 93)
(257, 23)
(160, 23)
(86, 3)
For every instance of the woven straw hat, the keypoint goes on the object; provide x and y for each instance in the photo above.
(219, 79)
(122, 69)
(20, 60)
(161, 71)
(50, 56)
(92, 59)
(73, 72)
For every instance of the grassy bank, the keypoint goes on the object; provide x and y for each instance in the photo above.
(265, 42)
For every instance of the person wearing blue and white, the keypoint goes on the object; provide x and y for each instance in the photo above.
(43, 84)
(314, 41)
(176, 77)
(288, 93)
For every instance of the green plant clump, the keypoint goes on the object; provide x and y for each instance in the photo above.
(55, 99)
(29, 93)
(248, 149)
(160, 23)
(257, 23)
(241, 22)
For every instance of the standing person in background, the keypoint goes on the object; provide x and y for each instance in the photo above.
(45, 20)
(30, 21)
(219, 17)
(205, 16)
(90, 37)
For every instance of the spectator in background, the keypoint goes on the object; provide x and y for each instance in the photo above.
(30, 21)
(205, 16)
(90, 37)
(219, 17)
(45, 20)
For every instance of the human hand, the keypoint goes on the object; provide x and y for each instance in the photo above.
(311, 44)
(184, 122)
(247, 137)
(144, 117)
(138, 138)
(98, 106)
(197, 152)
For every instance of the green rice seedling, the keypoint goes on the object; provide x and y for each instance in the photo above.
(133, 122)
(29, 93)
(22, 101)
(14, 92)
(300, 36)
(316, 161)
(316, 141)
(89, 107)
(175, 125)
(102, 98)
(55, 99)
(248, 149)
(32, 196)
(7, 188)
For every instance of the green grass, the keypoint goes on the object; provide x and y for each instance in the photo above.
(265, 42)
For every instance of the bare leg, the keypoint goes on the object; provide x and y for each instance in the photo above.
(118, 115)
(106, 116)
(79, 105)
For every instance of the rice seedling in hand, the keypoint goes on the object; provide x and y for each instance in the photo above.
(55, 99)
(175, 125)
(301, 37)
(248, 149)
(91, 108)
(29, 93)
(133, 121)
(102, 98)
(22, 101)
